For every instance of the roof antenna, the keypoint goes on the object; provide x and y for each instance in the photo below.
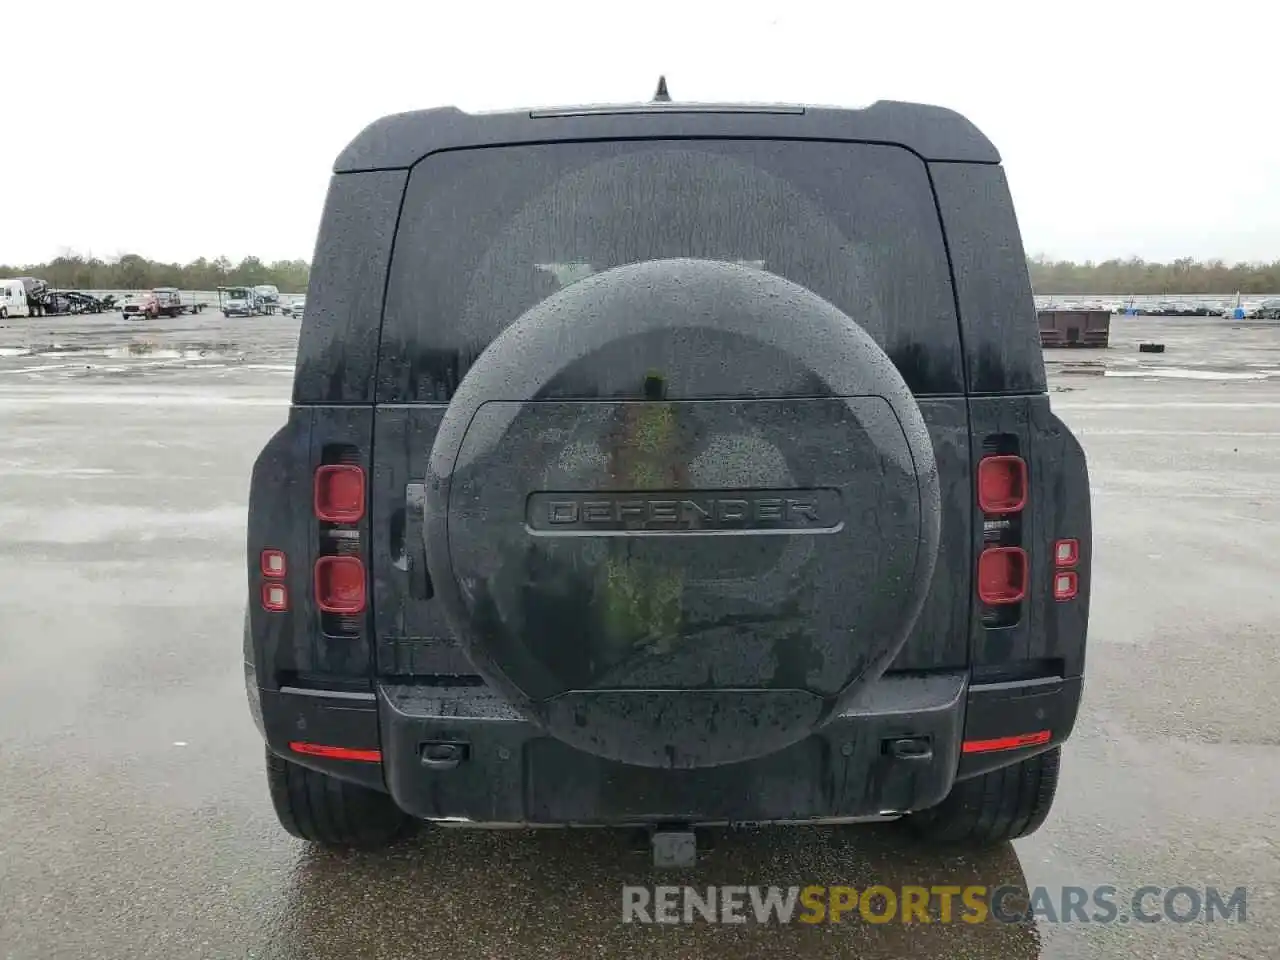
(662, 96)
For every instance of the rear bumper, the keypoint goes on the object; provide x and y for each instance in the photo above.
(463, 753)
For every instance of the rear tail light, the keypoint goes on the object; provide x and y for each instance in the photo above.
(1065, 585)
(1002, 575)
(340, 585)
(275, 597)
(274, 564)
(1066, 553)
(1003, 565)
(339, 493)
(1002, 484)
(339, 504)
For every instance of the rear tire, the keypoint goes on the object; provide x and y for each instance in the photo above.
(331, 812)
(992, 808)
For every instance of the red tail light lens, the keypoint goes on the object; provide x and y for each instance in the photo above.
(1002, 484)
(339, 493)
(340, 585)
(1066, 553)
(275, 597)
(1065, 585)
(1002, 575)
(274, 563)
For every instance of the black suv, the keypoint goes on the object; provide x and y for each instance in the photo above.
(666, 465)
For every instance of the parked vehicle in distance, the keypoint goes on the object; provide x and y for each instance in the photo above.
(57, 302)
(1267, 310)
(36, 290)
(664, 514)
(239, 302)
(296, 308)
(168, 301)
(141, 306)
(268, 298)
(13, 299)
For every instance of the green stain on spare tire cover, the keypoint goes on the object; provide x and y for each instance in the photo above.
(642, 601)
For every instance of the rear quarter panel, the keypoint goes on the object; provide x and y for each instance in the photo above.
(280, 517)
(1058, 507)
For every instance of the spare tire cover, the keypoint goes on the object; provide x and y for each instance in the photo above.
(666, 578)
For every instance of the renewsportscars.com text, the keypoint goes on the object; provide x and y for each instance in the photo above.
(933, 904)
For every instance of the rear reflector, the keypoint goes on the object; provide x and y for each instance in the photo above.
(340, 584)
(1002, 484)
(275, 597)
(1002, 575)
(339, 493)
(336, 753)
(1007, 743)
(1066, 553)
(1065, 585)
(274, 563)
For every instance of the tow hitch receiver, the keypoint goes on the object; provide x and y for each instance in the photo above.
(673, 848)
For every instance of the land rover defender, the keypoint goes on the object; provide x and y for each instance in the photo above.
(666, 465)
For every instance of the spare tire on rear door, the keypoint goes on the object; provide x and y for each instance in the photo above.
(688, 564)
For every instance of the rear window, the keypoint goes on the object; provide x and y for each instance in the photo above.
(487, 233)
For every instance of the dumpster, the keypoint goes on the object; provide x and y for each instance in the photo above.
(1074, 328)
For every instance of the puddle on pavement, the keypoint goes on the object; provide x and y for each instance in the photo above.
(143, 349)
(1126, 368)
(109, 397)
(149, 351)
(1182, 373)
(137, 358)
(1082, 369)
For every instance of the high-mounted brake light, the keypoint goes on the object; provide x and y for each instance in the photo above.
(1002, 575)
(275, 597)
(339, 582)
(1066, 553)
(1065, 585)
(1002, 484)
(339, 493)
(274, 564)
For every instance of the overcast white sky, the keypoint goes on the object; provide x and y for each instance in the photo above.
(179, 129)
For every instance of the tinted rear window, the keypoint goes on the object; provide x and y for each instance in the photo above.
(486, 233)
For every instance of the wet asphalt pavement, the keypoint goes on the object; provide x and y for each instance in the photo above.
(134, 819)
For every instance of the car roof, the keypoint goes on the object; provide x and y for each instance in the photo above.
(400, 140)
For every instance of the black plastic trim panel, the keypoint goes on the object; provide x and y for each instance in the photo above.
(401, 140)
